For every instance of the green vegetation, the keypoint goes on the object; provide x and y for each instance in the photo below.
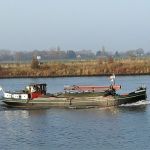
(76, 68)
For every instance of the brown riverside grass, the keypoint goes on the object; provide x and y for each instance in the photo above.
(77, 68)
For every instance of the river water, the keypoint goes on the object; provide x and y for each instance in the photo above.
(123, 128)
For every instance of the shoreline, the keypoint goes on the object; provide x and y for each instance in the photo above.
(65, 76)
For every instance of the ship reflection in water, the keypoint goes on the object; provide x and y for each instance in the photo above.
(27, 113)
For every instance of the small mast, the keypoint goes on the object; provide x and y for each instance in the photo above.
(112, 78)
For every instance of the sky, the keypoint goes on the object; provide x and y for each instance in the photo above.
(118, 25)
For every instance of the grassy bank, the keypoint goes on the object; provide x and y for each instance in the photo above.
(77, 68)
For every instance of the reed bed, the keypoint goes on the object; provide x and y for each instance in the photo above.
(77, 68)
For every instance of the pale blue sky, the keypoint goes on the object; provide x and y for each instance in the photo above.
(75, 24)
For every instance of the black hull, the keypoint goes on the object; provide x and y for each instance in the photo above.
(132, 98)
(13, 104)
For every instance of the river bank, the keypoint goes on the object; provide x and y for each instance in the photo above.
(101, 75)
(76, 68)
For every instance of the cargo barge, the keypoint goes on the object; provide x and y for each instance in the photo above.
(35, 96)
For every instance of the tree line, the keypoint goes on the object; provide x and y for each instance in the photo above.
(57, 54)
